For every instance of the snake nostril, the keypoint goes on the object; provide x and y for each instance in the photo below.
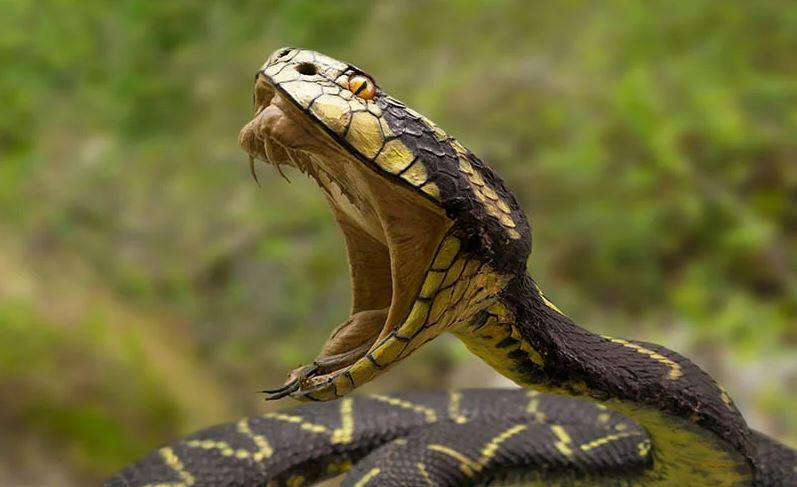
(308, 69)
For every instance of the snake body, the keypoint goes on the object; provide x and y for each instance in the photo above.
(437, 243)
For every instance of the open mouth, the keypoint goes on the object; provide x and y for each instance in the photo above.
(391, 232)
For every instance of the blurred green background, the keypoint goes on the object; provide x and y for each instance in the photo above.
(148, 287)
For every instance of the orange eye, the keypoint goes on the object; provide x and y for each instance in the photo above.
(362, 87)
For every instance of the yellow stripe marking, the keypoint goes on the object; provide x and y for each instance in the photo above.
(726, 398)
(367, 477)
(644, 448)
(173, 461)
(288, 418)
(422, 468)
(547, 302)
(470, 467)
(226, 450)
(430, 414)
(454, 398)
(313, 428)
(467, 466)
(550, 303)
(675, 368)
(344, 434)
(264, 449)
(606, 439)
(489, 451)
(533, 407)
(563, 445)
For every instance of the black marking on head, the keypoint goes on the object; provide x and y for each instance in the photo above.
(480, 232)
(506, 343)
(516, 354)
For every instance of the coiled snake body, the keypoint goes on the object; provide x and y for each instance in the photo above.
(437, 243)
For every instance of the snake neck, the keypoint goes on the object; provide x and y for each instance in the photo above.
(528, 339)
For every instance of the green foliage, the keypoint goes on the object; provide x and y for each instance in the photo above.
(652, 143)
(50, 383)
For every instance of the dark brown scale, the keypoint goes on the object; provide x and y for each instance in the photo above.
(483, 235)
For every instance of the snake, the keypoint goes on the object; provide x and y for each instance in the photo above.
(437, 243)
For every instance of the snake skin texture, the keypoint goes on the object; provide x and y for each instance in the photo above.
(421, 438)
(437, 243)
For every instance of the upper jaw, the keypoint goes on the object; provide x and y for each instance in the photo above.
(278, 126)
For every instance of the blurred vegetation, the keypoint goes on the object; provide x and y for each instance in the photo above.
(148, 287)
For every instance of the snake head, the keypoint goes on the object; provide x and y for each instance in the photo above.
(432, 234)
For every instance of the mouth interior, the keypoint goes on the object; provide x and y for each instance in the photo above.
(391, 232)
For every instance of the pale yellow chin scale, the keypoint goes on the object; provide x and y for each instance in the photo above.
(454, 289)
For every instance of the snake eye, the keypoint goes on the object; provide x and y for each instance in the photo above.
(362, 86)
